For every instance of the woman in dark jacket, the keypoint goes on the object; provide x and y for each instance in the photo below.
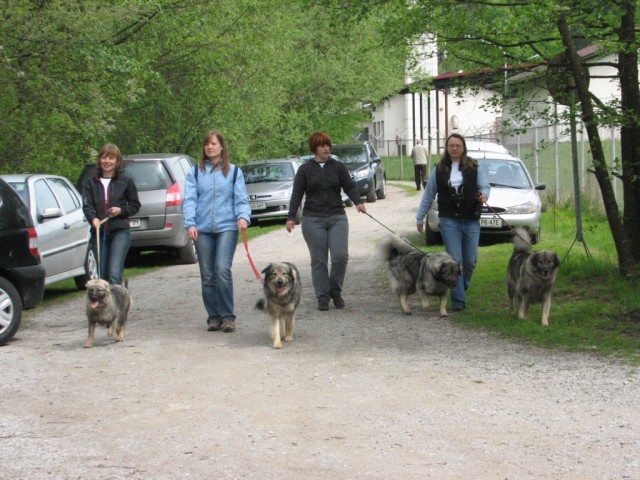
(324, 222)
(110, 198)
(462, 188)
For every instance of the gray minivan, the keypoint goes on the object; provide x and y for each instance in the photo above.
(159, 225)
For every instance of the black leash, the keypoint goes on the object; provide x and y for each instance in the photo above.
(400, 237)
(513, 230)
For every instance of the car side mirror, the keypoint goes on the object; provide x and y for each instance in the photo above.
(541, 186)
(49, 213)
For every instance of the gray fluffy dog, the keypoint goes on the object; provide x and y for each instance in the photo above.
(107, 305)
(282, 297)
(531, 277)
(411, 270)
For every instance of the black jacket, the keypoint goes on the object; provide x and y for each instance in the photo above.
(321, 187)
(122, 192)
(462, 203)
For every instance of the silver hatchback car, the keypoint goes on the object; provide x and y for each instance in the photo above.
(513, 202)
(62, 229)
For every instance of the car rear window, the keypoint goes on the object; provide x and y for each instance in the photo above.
(150, 175)
(13, 212)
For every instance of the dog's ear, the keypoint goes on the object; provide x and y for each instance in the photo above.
(556, 260)
(293, 271)
(267, 270)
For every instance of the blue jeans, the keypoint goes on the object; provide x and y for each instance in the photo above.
(324, 236)
(461, 238)
(113, 252)
(215, 255)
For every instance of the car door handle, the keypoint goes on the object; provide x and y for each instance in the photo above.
(67, 226)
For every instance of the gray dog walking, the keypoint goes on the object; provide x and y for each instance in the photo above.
(107, 305)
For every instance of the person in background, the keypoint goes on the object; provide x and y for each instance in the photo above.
(325, 227)
(462, 189)
(110, 195)
(419, 157)
(215, 208)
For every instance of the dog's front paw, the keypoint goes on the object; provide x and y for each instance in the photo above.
(288, 338)
(277, 345)
(88, 345)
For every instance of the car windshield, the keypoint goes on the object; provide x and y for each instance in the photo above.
(505, 174)
(350, 154)
(268, 172)
(148, 175)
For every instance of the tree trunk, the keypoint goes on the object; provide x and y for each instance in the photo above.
(620, 239)
(630, 131)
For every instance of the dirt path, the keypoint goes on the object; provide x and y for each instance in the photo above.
(363, 393)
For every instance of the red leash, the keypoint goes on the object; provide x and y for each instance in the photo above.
(246, 247)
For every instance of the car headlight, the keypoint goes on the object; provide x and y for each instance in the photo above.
(365, 172)
(282, 195)
(525, 208)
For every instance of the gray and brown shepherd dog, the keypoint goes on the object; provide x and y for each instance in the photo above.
(411, 270)
(107, 305)
(282, 296)
(530, 277)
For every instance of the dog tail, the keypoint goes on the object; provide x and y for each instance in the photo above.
(391, 246)
(521, 240)
(261, 304)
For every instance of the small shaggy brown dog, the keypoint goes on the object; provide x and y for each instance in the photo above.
(282, 297)
(530, 277)
(107, 305)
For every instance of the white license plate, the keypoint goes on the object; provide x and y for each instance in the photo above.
(258, 206)
(134, 222)
(491, 223)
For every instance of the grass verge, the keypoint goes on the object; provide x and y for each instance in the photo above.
(594, 309)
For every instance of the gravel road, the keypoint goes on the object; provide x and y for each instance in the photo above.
(363, 393)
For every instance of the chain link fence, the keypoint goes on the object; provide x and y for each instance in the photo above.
(546, 151)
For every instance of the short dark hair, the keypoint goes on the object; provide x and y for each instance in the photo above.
(318, 139)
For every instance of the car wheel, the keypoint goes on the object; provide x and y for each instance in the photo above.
(90, 270)
(187, 254)
(10, 310)
(431, 237)
(371, 195)
(381, 193)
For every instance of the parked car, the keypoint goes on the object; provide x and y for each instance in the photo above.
(63, 231)
(159, 225)
(514, 197)
(269, 185)
(366, 168)
(21, 273)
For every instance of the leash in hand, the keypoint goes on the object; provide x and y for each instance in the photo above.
(400, 237)
(246, 247)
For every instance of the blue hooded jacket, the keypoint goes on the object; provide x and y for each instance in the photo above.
(213, 203)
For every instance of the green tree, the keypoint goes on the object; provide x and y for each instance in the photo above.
(154, 76)
(490, 33)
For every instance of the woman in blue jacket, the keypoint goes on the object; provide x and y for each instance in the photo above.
(216, 206)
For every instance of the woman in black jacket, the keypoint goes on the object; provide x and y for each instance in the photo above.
(324, 223)
(110, 198)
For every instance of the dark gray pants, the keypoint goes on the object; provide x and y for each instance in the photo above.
(327, 236)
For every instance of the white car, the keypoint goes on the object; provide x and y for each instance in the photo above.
(62, 229)
(513, 202)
